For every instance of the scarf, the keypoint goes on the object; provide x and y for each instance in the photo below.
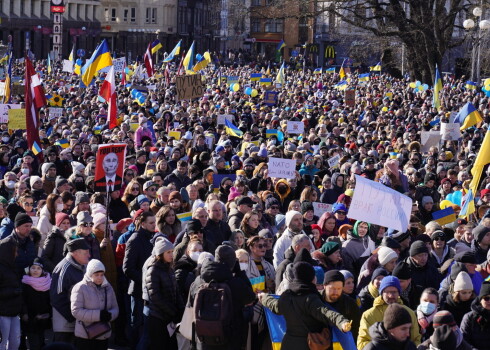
(40, 284)
(373, 290)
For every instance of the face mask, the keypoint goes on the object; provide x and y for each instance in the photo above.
(243, 266)
(227, 188)
(414, 230)
(282, 190)
(5, 139)
(59, 207)
(195, 255)
(80, 186)
(10, 184)
(427, 308)
(24, 171)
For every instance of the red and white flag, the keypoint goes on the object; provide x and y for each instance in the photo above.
(108, 92)
(148, 61)
(123, 76)
(35, 98)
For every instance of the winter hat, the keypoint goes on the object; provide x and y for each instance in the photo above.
(161, 246)
(316, 227)
(289, 216)
(479, 232)
(443, 317)
(347, 274)
(390, 243)
(263, 152)
(143, 199)
(97, 208)
(380, 271)
(60, 217)
(436, 234)
(123, 223)
(463, 282)
(194, 225)
(270, 201)
(305, 206)
(303, 272)
(385, 255)
(443, 338)
(81, 197)
(333, 276)
(328, 248)
(225, 254)
(484, 290)
(430, 176)
(205, 256)
(400, 236)
(84, 217)
(21, 219)
(38, 262)
(175, 195)
(60, 181)
(402, 271)
(319, 274)
(466, 257)
(396, 315)
(219, 149)
(33, 179)
(427, 199)
(390, 281)
(233, 194)
(266, 233)
(418, 247)
(280, 220)
(76, 244)
(99, 219)
(338, 207)
(94, 266)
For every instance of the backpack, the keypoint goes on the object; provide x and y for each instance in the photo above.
(213, 313)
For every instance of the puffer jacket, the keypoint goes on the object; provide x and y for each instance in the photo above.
(138, 249)
(184, 274)
(476, 326)
(10, 285)
(87, 300)
(356, 250)
(375, 314)
(53, 249)
(382, 340)
(235, 219)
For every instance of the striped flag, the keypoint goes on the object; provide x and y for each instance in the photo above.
(108, 93)
(148, 61)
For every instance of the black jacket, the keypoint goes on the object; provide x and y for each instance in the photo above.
(476, 326)
(10, 285)
(184, 274)
(349, 309)
(138, 249)
(217, 232)
(35, 303)
(426, 276)
(26, 252)
(382, 340)
(118, 210)
(457, 309)
(53, 249)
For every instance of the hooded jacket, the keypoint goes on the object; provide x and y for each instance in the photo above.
(284, 199)
(53, 249)
(382, 340)
(476, 326)
(330, 196)
(355, 250)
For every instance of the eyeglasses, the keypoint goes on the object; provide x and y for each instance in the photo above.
(260, 246)
(274, 207)
(340, 212)
(88, 224)
(486, 298)
(152, 189)
(135, 189)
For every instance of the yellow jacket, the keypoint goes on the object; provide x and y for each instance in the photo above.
(375, 314)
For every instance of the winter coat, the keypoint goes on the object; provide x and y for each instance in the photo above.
(6, 227)
(184, 275)
(26, 252)
(476, 326)
(283, 243)
(10, 285)
(160, 292)
(235, 219)
(355, 250)
(462, 346)
(457, 309)
(53, 249)
(331, 195)
(87, 300)
(288, 259)
(481, 254)
(138, 249)
(376, 314)
(108, 259)
(36, 303)
(91, 240)
(304, 312)
(424, 276)
(217, 232)
(349, 309)
(382, 340)
(366, 296)
(434, 259)
(177, 179)
(44, 225)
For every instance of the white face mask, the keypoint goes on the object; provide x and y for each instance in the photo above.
(24, 171)
(10, 184)
(195, 255)
(244, 266)
(5, 139)
(59, 207)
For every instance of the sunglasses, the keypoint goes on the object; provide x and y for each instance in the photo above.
(342, 212)
(88, 224)
(30, 204)
(274, 207)
(486, 298)
(438, 239)
(135, 189)
(152, 189)
(260, 246)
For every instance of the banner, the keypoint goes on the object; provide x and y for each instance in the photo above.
(17, 119)
(189, 87)
(334, 161)
(378, 204)
(282, 168)
(350, 98)
(67, 66)
(450, 131)
(217, 178)
(118, 64)
(270, 98)
(321, 208)
(109, 167)
(55, 112)
(429, 139)
(4, 111)
(295, 127)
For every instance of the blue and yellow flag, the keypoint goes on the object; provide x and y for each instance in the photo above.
(255, 76)
(183, 217)
(202, 61)
(437, 89)
(280, 45)
(72, 54)
(470, 85)
(50, 69)
(274, 132)
(468, 116)
(467, 205)
(63, 143)
(281, 78)
(482, 159)
(318, 71)
(258, 283)
(188, 62)
(174, 52)
(341, 85)
(36, 149)
(330, 70)
(444, 216)
(376, 68)
(100, 59)
(155, 46)
(265, 81)
(232, 130)
(364, 77)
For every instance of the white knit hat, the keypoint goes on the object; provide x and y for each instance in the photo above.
(290, 215)
(385, 255)
(463, 282)
(94, 266)
(99, 219)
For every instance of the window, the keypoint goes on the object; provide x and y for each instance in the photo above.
(106, 14)
(255, 25)
(154, 15)
(256, 2)
(274, 26)
(113, 14)
(148, 14)
(133, 14)
(125, 14)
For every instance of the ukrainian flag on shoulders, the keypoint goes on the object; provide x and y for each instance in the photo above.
(470, 85)
(232, 130)
(468, 116)
(100, 59)
(364, 77)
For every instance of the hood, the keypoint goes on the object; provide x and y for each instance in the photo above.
(304, 255)
(282, 196)
(214, 271)
(378, 333)
(334, 180)
(354, 229)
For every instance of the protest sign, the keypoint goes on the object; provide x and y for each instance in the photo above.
(175, 134)
(189, 87)
(109, 166)
(55, 112)
(295, 127)
(67, 66)
(378, 204)
(450, 131)
(17, 119)
(134, 126)
(17, 89)
(334, 161)
(270, 98)
(2, 88)
(223, 117)
(282, 168)
(429, 139)
(321, 208)
(4, 111)
(152, 87)
(350, 98)
(118, 64)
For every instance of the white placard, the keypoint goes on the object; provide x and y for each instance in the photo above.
(118, 64)
(67, 66)
(2, 88)
(378, 204)
(4, 111)
(35, 220)
(55, 112)
(152, 87)
(223, 117)
(452, 116)
(321, 208)
(334, 161)
(429, 139)
(295, 127)
(450, 131)
(282, 168)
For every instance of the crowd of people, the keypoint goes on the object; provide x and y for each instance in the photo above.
(131, 268)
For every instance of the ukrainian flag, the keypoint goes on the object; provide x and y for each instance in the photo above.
(232, 130)
(202, 61)
(100, 59)
(174, 52)
(183, 217)
(258, 283)
(468, 116)
(50, 69)
(280, 45)
(330, 70)
(36, 149)
(341, 85)
(63, 143)
(188, 62)
(437, 89)
(470, 85)
(317, 71)
(280, 78)
(72, 54)
(364, 77)
(274, 132)
(155, 46)
(444, 216)
(376, 68)
(255, 76)
(265, 81)
(468, 205)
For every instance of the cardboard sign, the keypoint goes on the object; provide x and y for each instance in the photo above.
(295, 127)
(55, 112)
(175, 134)
(17, 119)
(119, 64)
(189, 87)
(223, 117)
(282, 168)
(270, 98)
(321, 208)
(450, 131)
(429, 139)
(334, 161)
(4, 111)
(350, 98)
(67, 66)
(378, 204)
(109, 166)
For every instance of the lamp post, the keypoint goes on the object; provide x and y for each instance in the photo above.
(476, 29)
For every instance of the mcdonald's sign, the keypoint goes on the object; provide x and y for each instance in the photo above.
(313, 48)
(330, 52)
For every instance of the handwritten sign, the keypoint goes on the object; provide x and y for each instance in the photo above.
(321, 208)
(4, 111)
(295, 127)
(119, 64)
(55, 112)
(350, 98)
(282, 168)
(270, 98)
(334, 161)
(17, 119)
(223, 117)
(378, 204)
(429, 139)
(450, 131)
(189, 87)
(67, 66)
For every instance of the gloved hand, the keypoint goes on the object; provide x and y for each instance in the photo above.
(105, 316)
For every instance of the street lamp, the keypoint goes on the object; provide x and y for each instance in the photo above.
(476, 29)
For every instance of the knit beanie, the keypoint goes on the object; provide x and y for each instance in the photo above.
(380, 271)
(305, 206)
(289, 216)
(484, 290)
(60, 217)
(466, 257)
(194, 225)
(225, 254)
(123, 223)
(143, 199)
(427, 199)
(396, 315)
(99, 219)
(33, 179)
(347, 274)
(463, 282)
(479, 232)
(84, 217)
(81, 197)
(303, 272)
(418, 247)
(402, 271)
(443, 317)
(320, 275)
(270, 201)
(94, 266)
(443, 338)
(161, 246)
(333, 276)
(385, 255)
(390, 281)
(329, 248)
(21, 219)
(390, 243)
